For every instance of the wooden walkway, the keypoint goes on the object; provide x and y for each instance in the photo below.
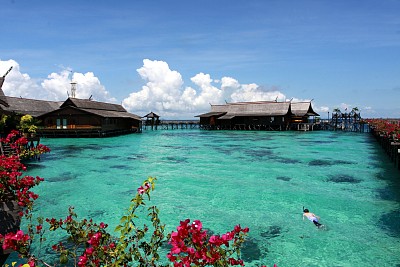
(172, 125)
(346, 127)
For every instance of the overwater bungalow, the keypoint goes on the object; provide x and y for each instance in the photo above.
(88, 118)
(261, 115)
(73, 117)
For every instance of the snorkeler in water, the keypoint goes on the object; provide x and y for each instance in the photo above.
(312, 217)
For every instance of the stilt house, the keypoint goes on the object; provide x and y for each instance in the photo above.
(73, 117)
(262, 115)
(84, 117)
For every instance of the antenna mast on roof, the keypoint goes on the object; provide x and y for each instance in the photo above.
(73, 89)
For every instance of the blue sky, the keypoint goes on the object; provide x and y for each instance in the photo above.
(177, 57)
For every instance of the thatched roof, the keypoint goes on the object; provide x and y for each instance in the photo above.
(32, 107)
(113, 114)
(151, 115)
(90, 104)
(100, 112)
(102, 109)
(262, 108)
(303, 109)
(38, 108)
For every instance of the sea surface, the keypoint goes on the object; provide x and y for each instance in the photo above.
(260, 180)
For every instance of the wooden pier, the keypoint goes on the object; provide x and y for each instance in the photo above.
(171, 125)
(390, 146)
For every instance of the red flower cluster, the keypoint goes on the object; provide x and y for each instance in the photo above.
(144, 188)
(97, 247)
(14, 241)
(389, 128)
(20, 146)
(192, 245)
(14, 186)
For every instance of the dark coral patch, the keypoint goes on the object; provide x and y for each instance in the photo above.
(273, 231)
(387, 193)
(320, 162)
(283, 178)
(65, 176)
(107, 157)
(96, 147)
(259, 153)
(344, 178)
(390, 222)
(137, 157)
(250, 251)
(287, 161)
(176, 159)
(96, 213)
(120, 167)
(343, 162)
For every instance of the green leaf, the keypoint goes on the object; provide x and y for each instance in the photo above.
(123, 219)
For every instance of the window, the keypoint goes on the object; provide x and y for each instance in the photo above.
(62, 124)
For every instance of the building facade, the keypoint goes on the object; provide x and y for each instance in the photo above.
(262, 115)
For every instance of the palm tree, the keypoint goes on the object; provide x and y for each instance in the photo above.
(336, 114)
(354, 112)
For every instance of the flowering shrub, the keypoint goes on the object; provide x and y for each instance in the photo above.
(20, 146)
(15, 186)
(388, 128)
(91, 245)
(192, 246)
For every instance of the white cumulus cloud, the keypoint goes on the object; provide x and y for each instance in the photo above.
(161, 92)
(17, 84)
(165, 94)
(57, 86)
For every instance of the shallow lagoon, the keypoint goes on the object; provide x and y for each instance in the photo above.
(256, 179)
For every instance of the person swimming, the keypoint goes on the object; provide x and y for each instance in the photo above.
(312, 217)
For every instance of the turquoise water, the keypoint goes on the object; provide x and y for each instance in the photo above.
(257, 179)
